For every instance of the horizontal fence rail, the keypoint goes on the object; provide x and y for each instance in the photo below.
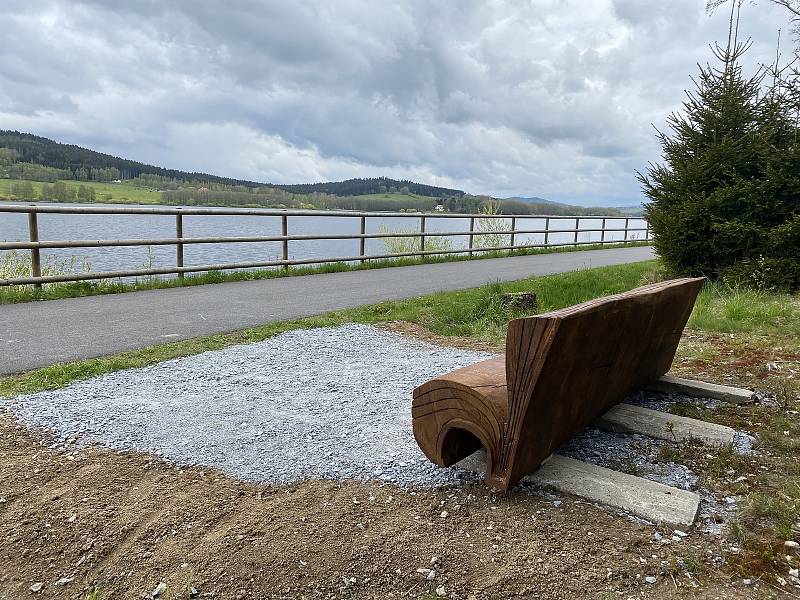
(505, 238)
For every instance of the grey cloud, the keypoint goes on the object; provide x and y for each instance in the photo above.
(553, 98)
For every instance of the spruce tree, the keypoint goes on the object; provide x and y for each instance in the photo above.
(726, 200)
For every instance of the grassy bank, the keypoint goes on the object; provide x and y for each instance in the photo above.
(15, 294)
(115, 193)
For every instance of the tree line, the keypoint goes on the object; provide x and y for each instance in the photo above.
(371, 185)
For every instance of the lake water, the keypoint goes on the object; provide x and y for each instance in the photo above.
(14, 227)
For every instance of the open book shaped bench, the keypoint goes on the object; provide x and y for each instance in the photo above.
(561, 370)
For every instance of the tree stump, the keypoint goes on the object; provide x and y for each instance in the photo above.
(521, 301)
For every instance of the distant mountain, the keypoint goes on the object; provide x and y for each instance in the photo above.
(372, 185)
(536, 205)
(631, 211)
(531, 200)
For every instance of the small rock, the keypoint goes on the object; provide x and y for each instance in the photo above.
(160, 589)
(193, 592)
(444, 514)
(680, 533)
(37, 587)
(747, 581)
(791, 544)
(434, 560)
(72, 518)
(650, 579)
(441, 591)
(431, 575)
(794, 573)
(64, 580)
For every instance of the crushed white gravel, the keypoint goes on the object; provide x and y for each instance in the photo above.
(330, 403)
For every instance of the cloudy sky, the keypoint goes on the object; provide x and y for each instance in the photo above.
(554, 98)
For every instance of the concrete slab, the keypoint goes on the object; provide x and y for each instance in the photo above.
(701, 389)
(625, 418)
(647, 499)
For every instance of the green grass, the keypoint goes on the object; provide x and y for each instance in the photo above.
(123, 193)
(16, 294)
(728, 310)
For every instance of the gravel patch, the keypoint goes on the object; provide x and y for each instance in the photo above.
(329, 403)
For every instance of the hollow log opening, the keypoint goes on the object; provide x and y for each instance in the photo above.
(458, 444)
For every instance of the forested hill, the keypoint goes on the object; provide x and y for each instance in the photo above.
(67, 157)
(79, 163)
(373, 185)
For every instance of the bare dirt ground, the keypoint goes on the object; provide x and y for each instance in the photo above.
(76, 520)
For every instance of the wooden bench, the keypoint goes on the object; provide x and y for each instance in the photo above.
(561, 370)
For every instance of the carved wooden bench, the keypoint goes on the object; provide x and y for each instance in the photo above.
(561, 370)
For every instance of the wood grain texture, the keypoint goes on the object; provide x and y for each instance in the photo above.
(561, 370)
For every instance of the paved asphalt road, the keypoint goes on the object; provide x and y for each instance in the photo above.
(38, 334)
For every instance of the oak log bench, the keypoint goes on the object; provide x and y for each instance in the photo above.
(561, 370)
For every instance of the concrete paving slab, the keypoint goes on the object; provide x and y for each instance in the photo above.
(700, 389)
(626, 418)
(647, 499)
(655, 502)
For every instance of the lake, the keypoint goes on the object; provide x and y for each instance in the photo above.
(14, 227)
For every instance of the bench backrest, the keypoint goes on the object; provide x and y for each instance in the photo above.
(565, 368)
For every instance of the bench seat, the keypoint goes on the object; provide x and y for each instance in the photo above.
(561, 370)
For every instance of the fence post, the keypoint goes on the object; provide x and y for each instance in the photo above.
(513, 232)
(647, 232)
(422, 238)
(471, 233)
(284, 233)
(36, 260)
(626, 229)
(577, 226)
(546, 230)
(179, 246)
(362, 241)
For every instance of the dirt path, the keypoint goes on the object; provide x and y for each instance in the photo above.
(125, 522)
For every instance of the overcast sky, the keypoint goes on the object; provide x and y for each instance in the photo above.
(551, 98)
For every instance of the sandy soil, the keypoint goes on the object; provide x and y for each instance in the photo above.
(125, 522)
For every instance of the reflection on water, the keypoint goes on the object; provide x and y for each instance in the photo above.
(14, 227)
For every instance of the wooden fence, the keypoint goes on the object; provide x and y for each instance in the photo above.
(35, 245)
